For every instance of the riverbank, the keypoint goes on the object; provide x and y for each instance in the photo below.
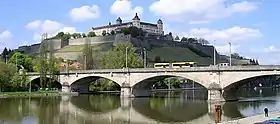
(253, 119)
(33, 94)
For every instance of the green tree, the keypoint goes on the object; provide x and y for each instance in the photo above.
(104, 33)
(59, 35)
(21, 60)
(46, 64)
(6, 72)
(88, 56)
(91, 34)
(66, 37)
(84, 35)
(177, 38)
(116, 57)
(202, 41)
(4, 53)
(183, 39)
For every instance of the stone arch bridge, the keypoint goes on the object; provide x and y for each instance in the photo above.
(136, 82)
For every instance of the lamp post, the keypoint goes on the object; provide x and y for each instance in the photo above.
(145, 57)
(229, 53)
(126, 51)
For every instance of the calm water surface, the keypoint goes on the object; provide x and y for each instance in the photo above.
(178, 107)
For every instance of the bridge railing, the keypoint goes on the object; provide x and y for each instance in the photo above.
(190, 69)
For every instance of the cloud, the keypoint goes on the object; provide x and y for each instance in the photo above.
(225, 49)
(269, 49)
(199, 10)
(47, 26)
(232, 34)
(5, 36)
(125, 10)
(85, 13)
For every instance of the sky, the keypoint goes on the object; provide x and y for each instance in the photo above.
(251, 26)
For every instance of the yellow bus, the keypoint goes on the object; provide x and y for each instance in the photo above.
(183, 64)
(161, 65)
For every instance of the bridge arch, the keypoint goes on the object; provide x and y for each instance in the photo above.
(35, 82)
(241, 78)
(81, 84)
(143, 84)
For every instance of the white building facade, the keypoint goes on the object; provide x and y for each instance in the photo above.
(148, 27)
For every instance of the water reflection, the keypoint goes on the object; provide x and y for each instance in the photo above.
(103, 109)
(170, 110)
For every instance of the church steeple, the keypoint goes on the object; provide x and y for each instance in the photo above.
(136, 17)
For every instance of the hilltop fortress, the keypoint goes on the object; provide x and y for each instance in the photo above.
(148, 27)
(154, 41)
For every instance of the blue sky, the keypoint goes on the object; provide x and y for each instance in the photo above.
(250, 25)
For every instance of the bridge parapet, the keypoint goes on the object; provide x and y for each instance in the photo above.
(190, 69)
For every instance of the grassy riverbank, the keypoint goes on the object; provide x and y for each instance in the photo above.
(35, 93)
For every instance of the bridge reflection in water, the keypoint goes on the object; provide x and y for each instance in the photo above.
(105, 109)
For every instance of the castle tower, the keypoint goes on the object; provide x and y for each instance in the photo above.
(119, 21)
(160, 27)
(136, 21)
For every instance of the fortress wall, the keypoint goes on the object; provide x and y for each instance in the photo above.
(68, 55)
(93, 40)
(56, 43)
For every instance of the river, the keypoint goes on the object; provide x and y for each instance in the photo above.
(175, 107)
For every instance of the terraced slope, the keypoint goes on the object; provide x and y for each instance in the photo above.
(177, 54)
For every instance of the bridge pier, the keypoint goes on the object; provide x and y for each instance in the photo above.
(215, 95)
(65, 89)
(126, 92)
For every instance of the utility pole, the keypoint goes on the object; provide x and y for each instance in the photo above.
(126, 51)
(145, 57)
(229, 53)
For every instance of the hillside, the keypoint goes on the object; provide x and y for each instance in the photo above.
(173, 54)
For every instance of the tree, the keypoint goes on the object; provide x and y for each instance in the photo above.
(192, 40)
(4, 53)
(104, 33)
(177, 38)
(91, 34)
(46, 63)
(133, 31)
(66, 37)
(202, 41)
(84, 35)
(183, 39)
(88, 56)
(6, 72)
(59, 35)
(20, 60)
(112, 32)
(116, 57)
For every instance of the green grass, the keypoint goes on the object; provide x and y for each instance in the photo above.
(177, 54)
(26, 92)
(165, 53)
(79, 48)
